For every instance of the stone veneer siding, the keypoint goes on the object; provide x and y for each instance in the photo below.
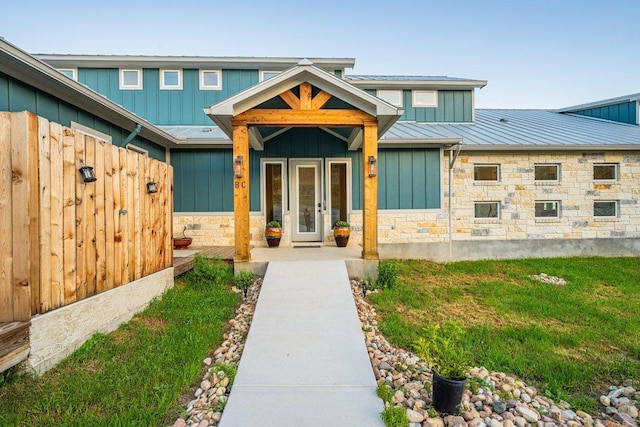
(516, 191)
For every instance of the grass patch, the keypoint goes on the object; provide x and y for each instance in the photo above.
(135, 375)
(570, 341)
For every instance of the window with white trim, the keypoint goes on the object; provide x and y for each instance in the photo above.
(487, 173)
(486, 210)
(605, 208)
(547, 209)
(91, 131)
(393, 97)
(424, 98)
(72, 73)
(130, 79)
(547, 172)
(266, 75)
(605, 172)
(210, 79)
(171, 79)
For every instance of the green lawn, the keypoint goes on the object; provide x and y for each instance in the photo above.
(135, 375)
(571, 341)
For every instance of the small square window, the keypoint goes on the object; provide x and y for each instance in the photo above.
(486, 173)
(605, 209)
(266, 75)
(130, 79)
(605, 172)
(548, 209)
(484, 210)
(171, 79)
(425, 98)
(72, 73)
(393, 97)
(547, 172)
(210, 80)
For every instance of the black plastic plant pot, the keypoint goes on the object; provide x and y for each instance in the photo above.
(447, 394)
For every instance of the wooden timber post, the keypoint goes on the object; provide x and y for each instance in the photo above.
(370, 192)
(241, 193)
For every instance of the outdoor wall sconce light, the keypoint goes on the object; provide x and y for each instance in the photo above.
(373, 166)
(87, 174)
(237, 167)
(152, 187)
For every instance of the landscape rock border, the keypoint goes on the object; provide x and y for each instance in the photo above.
(497, 400)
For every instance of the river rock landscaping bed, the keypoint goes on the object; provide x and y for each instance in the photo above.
(494, 399)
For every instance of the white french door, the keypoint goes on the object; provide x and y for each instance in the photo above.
(306, 200)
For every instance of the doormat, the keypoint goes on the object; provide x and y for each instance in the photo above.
(306, 247)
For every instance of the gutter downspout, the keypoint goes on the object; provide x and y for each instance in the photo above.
(452, 160)
(133, 134)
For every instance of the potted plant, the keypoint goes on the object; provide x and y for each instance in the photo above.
(273, 233)
(441, 348)
(341, 233)
(182, 242)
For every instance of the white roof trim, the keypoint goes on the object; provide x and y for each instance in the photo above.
(223, 112)
(229, 62)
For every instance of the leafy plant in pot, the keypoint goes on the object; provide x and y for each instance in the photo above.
(341, 233)
(273, 233)
(441, 347)
(182, 242)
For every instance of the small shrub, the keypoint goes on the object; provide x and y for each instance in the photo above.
(395, 416)
(243, 280)
(387, 274)
(208, 272)
(274, 224)
(441, 347)
(385, 393)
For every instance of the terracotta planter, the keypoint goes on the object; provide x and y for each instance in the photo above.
(182, 242)
(273, 235)
(341, 236)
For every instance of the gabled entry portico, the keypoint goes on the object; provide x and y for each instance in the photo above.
(303, 96)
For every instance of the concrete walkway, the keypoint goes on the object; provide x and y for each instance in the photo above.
(305, 363)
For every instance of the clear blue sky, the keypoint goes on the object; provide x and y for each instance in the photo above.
(534, 53)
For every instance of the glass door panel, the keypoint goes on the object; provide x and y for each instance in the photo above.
(306, 206)
(338, 192)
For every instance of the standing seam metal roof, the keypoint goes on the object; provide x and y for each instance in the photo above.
(523, 128)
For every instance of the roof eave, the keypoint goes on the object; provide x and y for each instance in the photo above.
(418, 84)
(118, 61)
(22, 66)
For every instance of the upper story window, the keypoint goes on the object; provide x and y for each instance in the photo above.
(72, 73)
(266, 75)
(210, 79)
(546, 172)
(605, 171)
(171, 79)
(130, 79)
(393, 97)
(489, 173)
(425, 98)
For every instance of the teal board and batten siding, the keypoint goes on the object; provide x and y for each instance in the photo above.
(453, 106)
(16, 96)
(625, 112)
(167, 107)
(203, 178)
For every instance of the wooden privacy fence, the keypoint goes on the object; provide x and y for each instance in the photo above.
(63, 240)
